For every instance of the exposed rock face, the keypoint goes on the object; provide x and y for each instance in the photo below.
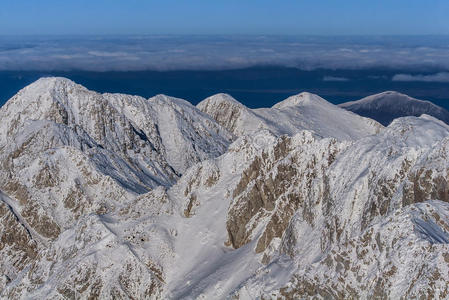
(68, 154)
(227, 111)
(186, 135)
(276, 184)
(393, 258)
(115, 196)
(17, 246)
(91, 260)
(376, 215)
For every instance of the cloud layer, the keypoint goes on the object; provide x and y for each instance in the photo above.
(131, 53)
(336, 79)
(438, 77)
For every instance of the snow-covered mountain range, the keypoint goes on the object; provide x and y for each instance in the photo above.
(387, 106)
(116, 196)
(299, 112)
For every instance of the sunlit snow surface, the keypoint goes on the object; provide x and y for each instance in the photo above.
(110, 195)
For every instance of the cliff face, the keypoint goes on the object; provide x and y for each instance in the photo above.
(118, 196)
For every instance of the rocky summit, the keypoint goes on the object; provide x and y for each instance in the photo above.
(111, 196)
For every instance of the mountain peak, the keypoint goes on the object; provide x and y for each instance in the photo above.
(165, 99)
(53, 80)
(121, 124)
(44, 93)
(45, 84)
(304, 98)
(391, 93)
(227, 111)
(386, 106)
(387, 97)
(112, 195)
(296, 113)
(219, 99)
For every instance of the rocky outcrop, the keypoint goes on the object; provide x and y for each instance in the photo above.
(376, 225)
(17, 245)
(70, 156)
(276, 184)
(226, 111)
(115, 196)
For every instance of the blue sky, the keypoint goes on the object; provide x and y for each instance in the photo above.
(322, 17)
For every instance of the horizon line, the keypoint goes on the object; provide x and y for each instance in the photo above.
(222, 35)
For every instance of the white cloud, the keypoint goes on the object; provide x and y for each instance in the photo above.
(220, 52)
(438, 77)
(176, 51)
(107, 54)
(333, 78)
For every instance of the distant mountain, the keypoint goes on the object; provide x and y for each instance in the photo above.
(304, 111)
(387, 106)
(112, 196)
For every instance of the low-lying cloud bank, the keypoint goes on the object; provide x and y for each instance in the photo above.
(133, 53)
(438, 77)
(335, 79)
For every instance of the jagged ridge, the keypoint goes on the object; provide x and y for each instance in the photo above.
(118, 196)
(299, 112)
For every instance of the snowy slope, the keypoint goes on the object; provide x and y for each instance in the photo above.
(293, 208)
(187, 135)
(386, 106)
(149, 134)
(315, 211)
(296, 113)
(370, 230)
(66, 106)
(68, 153)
